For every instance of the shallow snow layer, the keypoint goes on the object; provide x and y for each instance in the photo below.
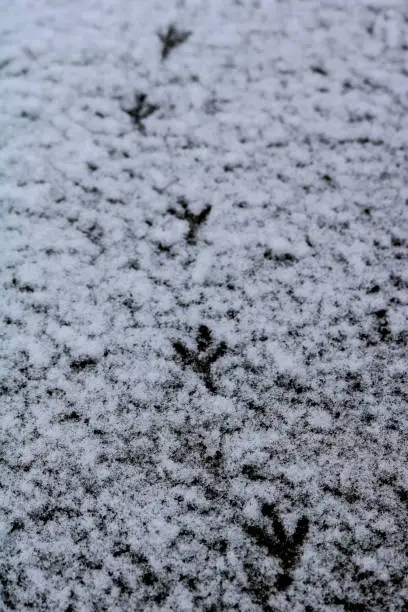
(204, 300)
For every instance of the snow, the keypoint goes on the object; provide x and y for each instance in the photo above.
(204, 305)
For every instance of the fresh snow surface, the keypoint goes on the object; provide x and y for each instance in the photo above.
(204, 300)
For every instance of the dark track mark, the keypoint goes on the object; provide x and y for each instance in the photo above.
(286, 548)
(362, 141)
(149, 578)
(122, 585)
(383, 326)
(319, 70)
(398, 282)
(78, 365)
(279, 257)
(211, 106)
(251, 473)
(131, 305)
(158, 590)
(290, 383)
(402, 495)
(94, 233)
(48, 513)
(28, 115)
(17, 525)
(23, 288)
(6, 597)
(194, 221)
(347, 605)
(133, 264)
(354, 381)
(275, 145)
(202, 359)
(398, 242)
(55, 392)
(327, 178)
(141, 111)
(5, 63)
(258, 588)
(72, 416)
(164, 248)
(359, 118)
(114, 201)
(349, 495)
(171, 39)
(98, 432)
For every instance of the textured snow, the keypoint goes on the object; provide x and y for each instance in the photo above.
(204, 305)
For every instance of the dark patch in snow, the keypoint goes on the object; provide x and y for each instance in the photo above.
(78, 365)
(319, 70)
(73, 416)
(287, 258)
(24, 288)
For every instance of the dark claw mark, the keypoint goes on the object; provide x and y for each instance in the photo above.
(194, 221)
(186, 355)
(286, 548)
(141, 110)
(17, 525)
(202, 359)
(204, 338)
(171, 39)
(94, 233)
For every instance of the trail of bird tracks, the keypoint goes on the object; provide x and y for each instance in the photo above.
(204, 300)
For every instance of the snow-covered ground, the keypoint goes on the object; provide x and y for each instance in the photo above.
(204, 300)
